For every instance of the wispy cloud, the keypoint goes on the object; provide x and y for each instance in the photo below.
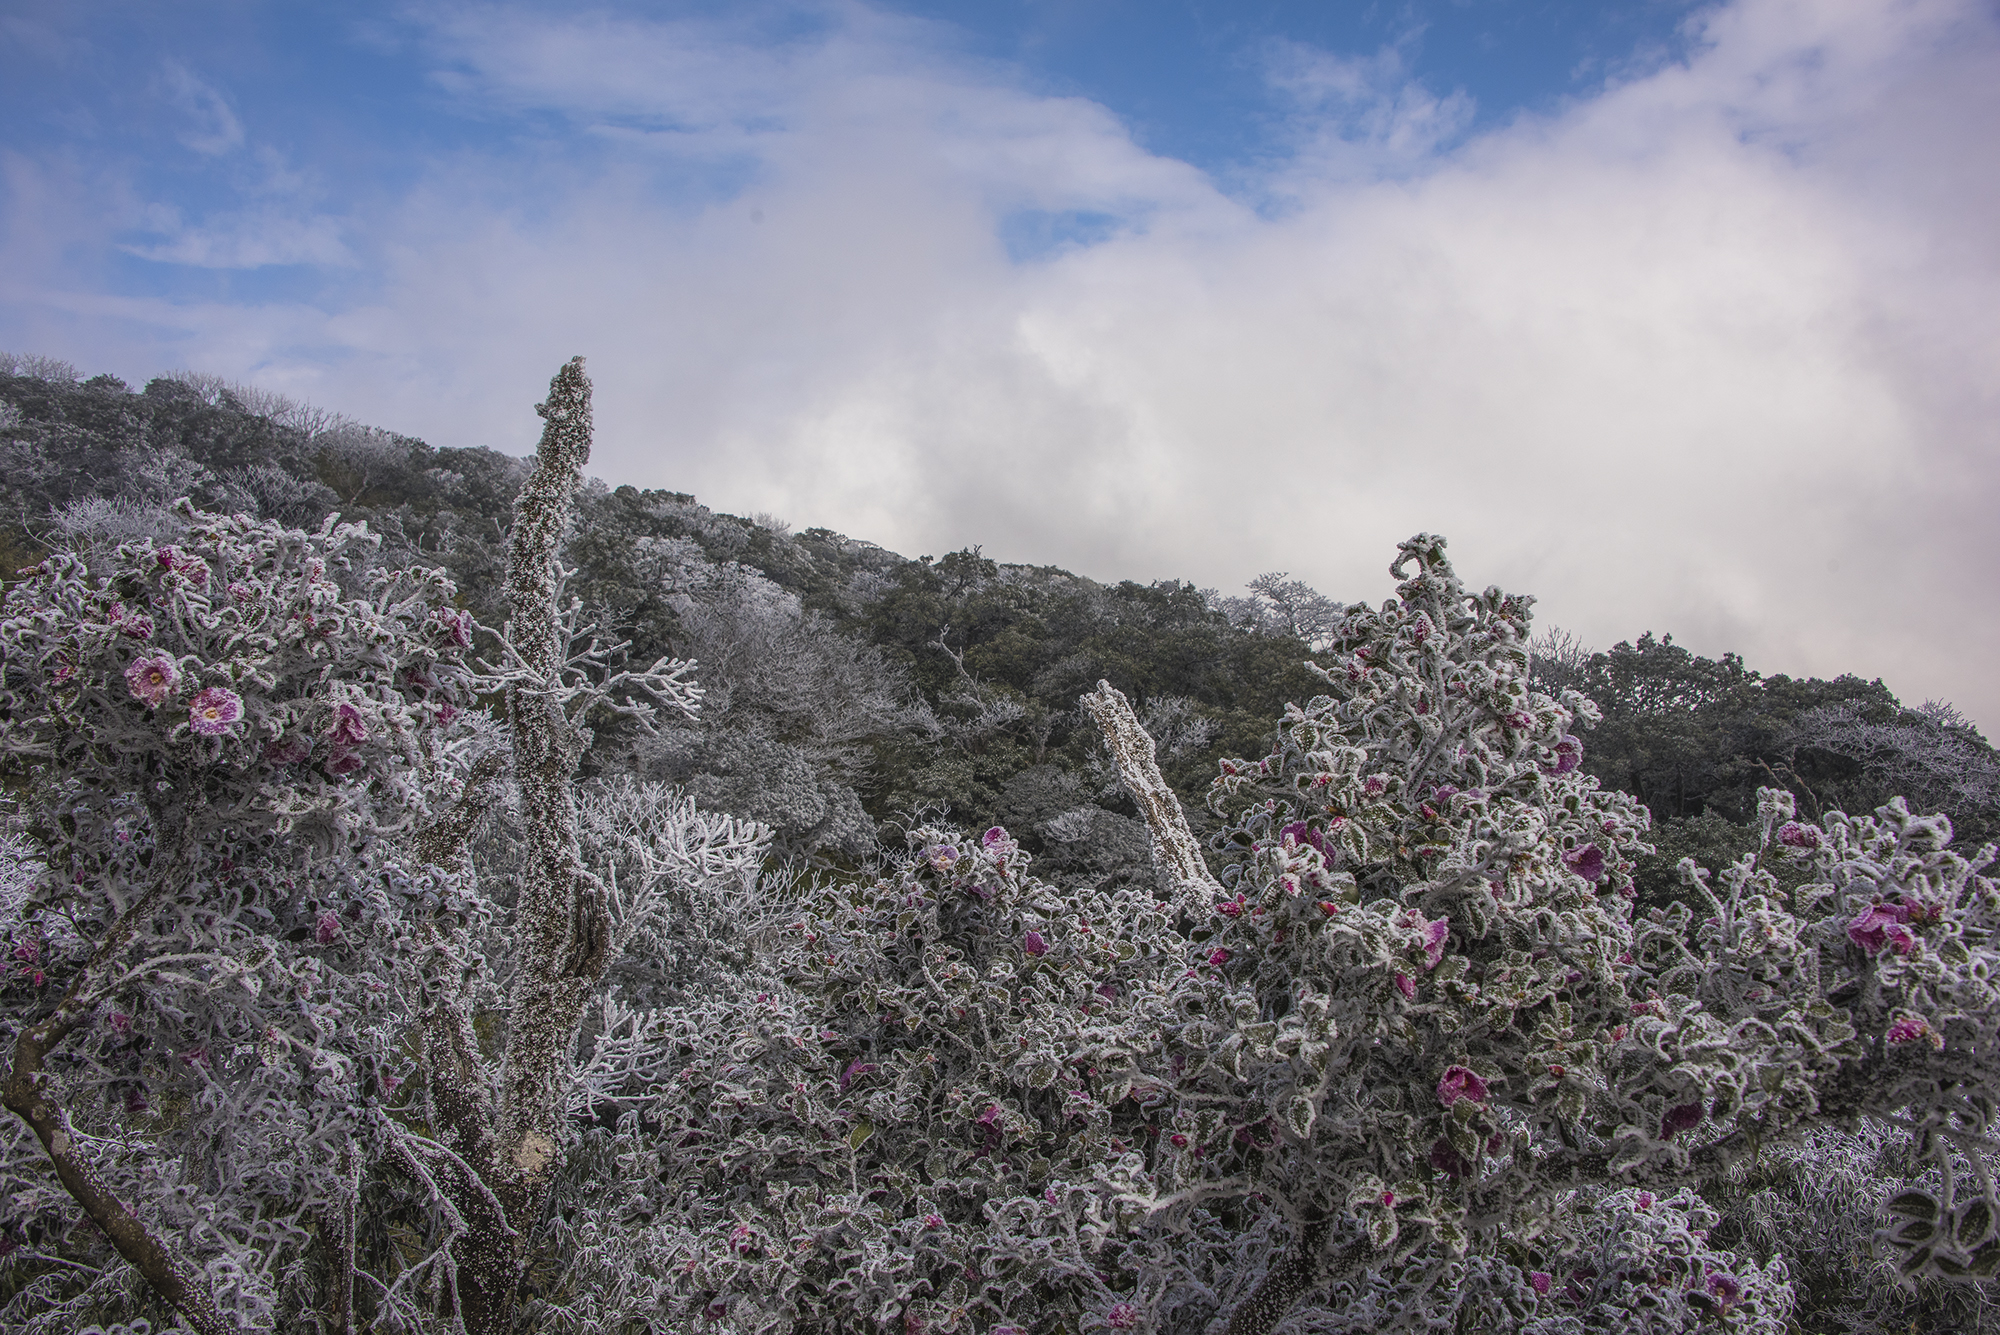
(208, 123)
(1709, 351)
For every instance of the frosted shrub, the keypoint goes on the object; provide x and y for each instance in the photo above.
(219, 739)
(904, 1125)
(1418, 1027)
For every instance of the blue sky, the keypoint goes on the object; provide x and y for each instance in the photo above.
(1681, 316)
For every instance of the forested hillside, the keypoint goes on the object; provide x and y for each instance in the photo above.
(852, 689)
(447, 894)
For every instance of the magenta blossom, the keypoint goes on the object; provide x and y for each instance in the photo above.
(1794, 835)
(213, 711)
(455, 624)
(1569, 754)
(1434, 936)
(348, 727)
(152, 679)
(1909, 1029)
(1034, 945)
(1680, 1119)
(1538, 1280)
(1122, 1316)
(1725, 1289)
(289, 750)
(1587, 862)
(1460, 1083)
(855, 1070)
(1407, 986)
(327, 930)
(1218, 957)
(1301, 833)
(998, 842)
(1882, 925)
(942, 857)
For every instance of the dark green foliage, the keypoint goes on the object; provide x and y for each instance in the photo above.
(1693, 738)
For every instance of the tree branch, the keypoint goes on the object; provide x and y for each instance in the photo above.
(1175, 851)
(27, 1096)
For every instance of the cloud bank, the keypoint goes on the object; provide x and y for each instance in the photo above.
(1710, 351)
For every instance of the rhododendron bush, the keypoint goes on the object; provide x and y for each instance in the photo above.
(336, 1000)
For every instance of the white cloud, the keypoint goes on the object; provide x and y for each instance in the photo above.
(1711, 352)
(209, 125)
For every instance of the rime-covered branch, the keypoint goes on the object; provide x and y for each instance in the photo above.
(1175, 851)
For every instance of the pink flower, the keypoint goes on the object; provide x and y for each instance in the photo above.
(1909, 1029)
(121, 1023)
(1569, 754)
(1389, 1199)
(1794, 835)
(1680, 1119)
(1122, 1316)
(1231, 908)
(1587, 862)
(1218, 957)
(854, 1071)
(214, 710)
(446, 713)
(152, 679)
(1881, 925)
(1538, 1280)
(348, 727)
(1178, 1141)
(1434, 935)
(1460, 1083)
(933, 1221)
(1375, 784)
(741, 1240)
(998, 842)
(1407, 986)
(1301, 833)
(138, 626)
(455, 624)
(389, 1082)
(241, 592)
(289, 750)
(1034, 945)
(1725, 1289)
(1643, 1201)
(327, 930)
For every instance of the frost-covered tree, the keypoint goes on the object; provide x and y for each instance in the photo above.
(251, 975)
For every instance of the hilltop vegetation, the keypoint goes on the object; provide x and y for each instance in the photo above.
(852, 689)
(398, 945)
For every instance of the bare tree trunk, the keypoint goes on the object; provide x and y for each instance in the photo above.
(27, 1096)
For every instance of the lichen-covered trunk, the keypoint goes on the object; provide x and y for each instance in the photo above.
(1295, 1274)
(561, 930)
